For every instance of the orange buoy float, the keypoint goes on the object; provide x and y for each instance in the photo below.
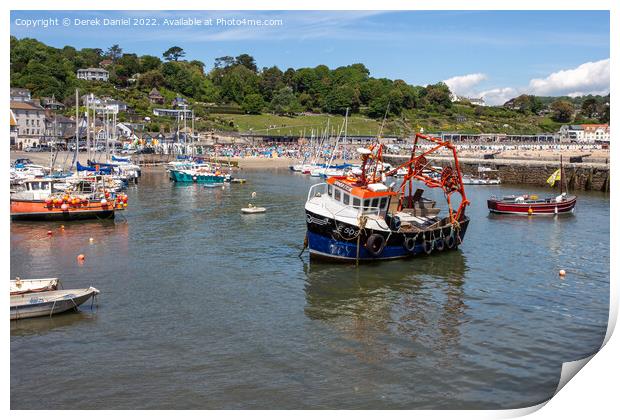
(64, 207)
(49, 233)
(125, 199)
(81, 258)
(562, 273)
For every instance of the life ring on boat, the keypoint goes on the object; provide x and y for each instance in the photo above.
(409, 243)
(451, 240)
(395, 223)
(375, 244)
(428, 247)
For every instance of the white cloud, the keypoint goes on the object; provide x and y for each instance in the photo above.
(462, 85)
(585, 79)
(498, 96)
(591, 77)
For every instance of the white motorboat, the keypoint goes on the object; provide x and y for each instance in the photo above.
(252, 209)
(22, 286)
(49, 303)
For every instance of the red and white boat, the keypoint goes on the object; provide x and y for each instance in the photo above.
(532, 205)
(40, 200)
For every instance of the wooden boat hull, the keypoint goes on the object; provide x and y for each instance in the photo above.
(546, 208)
(34, 305)
(23, 286)
(325, 241)
(39, 210)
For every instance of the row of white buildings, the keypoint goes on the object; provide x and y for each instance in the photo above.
(584, 133)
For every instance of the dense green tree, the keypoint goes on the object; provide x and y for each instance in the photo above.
(178, 77)
(525, 104)
(208, 92)
(173, 53)
(114, 52)
(438, 95)
(353, 74)
(149, 62)
(253, 104)
(224, 62)
(246, 61)
(200, 66)
(151, 79)
(374, 88)
(590, 107)
(284, 102)
(238, 82)
(271, 80)
(126, 66)
(339, 99)
(562, 111)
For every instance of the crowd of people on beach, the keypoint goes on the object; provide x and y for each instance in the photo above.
(349, 151)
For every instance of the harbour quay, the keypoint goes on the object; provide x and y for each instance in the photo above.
(584, 176)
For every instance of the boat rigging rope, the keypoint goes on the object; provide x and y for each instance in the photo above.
(361, 222)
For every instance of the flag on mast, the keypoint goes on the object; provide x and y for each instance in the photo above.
(555, 177)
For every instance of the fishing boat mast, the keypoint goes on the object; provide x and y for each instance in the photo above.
(77, 129)
(562, 180)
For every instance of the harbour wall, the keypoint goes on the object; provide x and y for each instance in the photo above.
(579, 176)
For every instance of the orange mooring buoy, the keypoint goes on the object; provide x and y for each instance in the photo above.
(81, 258)
(49, 233)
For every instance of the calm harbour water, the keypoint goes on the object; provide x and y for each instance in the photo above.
(202, 307)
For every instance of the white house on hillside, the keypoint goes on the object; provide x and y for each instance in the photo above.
(93, 74)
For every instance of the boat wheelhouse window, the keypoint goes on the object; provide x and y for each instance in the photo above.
(375, 203)
(337, 194)
(366, 204)
(345, 198)
(356, 202)
(330, 190)
(384, 202)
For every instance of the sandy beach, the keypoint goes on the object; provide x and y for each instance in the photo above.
(593, 156)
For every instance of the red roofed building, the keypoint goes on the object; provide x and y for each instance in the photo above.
(595, 133)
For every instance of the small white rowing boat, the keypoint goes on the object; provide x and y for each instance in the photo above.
(21, 286)
(33, 305)
(252, 209)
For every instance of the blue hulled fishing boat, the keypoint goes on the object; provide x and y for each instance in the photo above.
(357, 217)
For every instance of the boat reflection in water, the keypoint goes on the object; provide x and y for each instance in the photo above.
(43, 325)
(393, 310)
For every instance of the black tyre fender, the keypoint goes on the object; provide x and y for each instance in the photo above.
(375, 244)
(451, 240)
(428, 246)
(409, 243)
(440, 244)
(395, 223)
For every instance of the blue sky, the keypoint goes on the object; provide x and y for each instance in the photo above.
(494, 54)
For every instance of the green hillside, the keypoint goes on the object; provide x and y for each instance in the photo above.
(236, 95)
